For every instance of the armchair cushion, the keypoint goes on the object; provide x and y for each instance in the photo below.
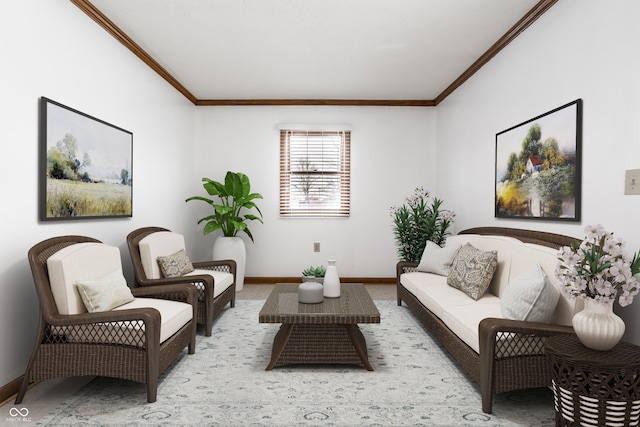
(176, 264)
(105, 293)
(221, 279)
(158, 244)
(77, 262)
(173, 316)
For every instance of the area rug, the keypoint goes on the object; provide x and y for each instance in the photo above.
(414, 383)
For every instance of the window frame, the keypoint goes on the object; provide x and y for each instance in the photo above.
(290, 203)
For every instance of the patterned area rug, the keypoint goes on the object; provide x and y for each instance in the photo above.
(224, 384)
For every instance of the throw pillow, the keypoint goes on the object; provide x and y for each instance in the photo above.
(105, 293)
(530, 296)
(436, 259)
(472, 270)
(177, 264)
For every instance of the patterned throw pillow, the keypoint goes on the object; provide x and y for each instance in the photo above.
(472, 270)
(174, 265)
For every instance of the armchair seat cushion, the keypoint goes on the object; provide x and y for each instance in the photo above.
(173, 314)
(221, 279)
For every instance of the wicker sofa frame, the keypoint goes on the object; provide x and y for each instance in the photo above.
(142, 360)
(501, 365)
(208, 307)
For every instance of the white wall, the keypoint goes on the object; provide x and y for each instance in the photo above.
(578, 49)
(51, 49)
(392, 152)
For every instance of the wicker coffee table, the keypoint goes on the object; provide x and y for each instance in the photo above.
(327, 332)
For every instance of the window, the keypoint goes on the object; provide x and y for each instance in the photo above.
(315, 173)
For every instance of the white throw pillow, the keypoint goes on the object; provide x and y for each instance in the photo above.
(105, 293)
(436, 259)
(530, 296)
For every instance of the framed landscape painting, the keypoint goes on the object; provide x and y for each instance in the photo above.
(85, 165)
(538, 167)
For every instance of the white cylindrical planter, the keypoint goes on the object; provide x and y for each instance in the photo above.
(331, 280)
(235, 249)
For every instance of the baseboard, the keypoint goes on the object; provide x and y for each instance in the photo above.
(272, 280)
(10, 390)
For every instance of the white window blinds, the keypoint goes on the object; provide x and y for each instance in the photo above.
(315, 173)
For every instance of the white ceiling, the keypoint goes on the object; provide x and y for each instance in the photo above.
(315, 49)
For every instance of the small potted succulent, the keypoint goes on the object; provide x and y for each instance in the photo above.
(314, 274)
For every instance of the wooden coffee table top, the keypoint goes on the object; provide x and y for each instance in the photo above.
(353, 306)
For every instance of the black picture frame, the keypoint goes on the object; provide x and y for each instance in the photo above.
(539, 167)
(85, 166)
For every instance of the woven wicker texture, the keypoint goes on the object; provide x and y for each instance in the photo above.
(319, 333)
(121, 344)
(208, 307)
(594, 388)
(354, 306)
(511, 351)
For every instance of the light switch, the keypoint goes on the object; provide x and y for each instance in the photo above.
(632, 181)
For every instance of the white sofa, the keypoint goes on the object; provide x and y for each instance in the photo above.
(497, 338)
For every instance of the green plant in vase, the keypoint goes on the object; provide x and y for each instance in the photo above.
(233, 196)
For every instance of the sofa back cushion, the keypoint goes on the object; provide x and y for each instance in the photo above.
(158, 244)
(502, 244)
(82, 261)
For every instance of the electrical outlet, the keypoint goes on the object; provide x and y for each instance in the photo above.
(632, 181)
(316, 247)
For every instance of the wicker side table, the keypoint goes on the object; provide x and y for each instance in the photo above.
(594, 388)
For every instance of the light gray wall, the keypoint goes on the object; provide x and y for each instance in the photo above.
(52, 49)
(392, 152)
(578, 49)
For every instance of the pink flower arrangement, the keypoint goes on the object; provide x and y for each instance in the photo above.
(599, 269)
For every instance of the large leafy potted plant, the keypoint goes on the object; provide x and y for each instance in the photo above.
(231, 199)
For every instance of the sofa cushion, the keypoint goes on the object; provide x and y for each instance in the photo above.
(505, 246)
(436, 259)
(434, 293)
(104, 293)
(160, 243)
(175, 265)
(472, 270)
(464, 319)
(530, 297)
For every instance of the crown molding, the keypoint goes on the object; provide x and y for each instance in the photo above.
(90, 10)
(334, 102)
(538, 10)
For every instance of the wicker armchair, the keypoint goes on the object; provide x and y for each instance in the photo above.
(126, 342)
(215, 280)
